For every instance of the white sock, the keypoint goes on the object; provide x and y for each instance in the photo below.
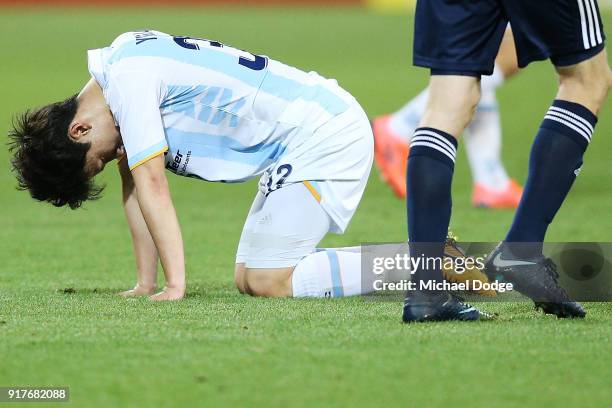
(483, 139)
(404, 122)
(490, 83)
(329, 273)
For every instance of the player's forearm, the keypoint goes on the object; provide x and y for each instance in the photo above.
(145, 251)
(160, 217)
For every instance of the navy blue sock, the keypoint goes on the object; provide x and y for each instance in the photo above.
(555, 161)
(428, 182)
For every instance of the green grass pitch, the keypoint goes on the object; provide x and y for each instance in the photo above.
(62, 324)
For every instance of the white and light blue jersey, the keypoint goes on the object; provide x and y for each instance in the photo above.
(219, 113)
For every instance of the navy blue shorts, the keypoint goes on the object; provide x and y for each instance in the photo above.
(463, 36)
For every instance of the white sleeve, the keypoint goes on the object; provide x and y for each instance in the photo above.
(134, 98)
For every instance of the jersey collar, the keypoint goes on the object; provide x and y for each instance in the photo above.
(95, 65)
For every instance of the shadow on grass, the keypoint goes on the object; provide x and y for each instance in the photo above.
(89, 291)
(215, 291)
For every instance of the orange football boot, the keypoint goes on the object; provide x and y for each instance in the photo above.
(508, 198)
(391, 155)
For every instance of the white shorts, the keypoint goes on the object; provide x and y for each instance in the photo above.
(282, 228)
(322, 184)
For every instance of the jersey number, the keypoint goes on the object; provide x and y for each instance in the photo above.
(246, 59)
(283, 171)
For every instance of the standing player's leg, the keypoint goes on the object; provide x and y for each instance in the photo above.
(451, 104)
(557, 152)
(458, 41)
(576, 47)
(555, 162)
(431, 164)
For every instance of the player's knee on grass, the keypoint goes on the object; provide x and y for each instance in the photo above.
(586, 83)
(281, 229)
(239, 276)
(452, 103)
(268, 282)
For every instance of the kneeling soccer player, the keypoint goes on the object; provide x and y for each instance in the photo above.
(205, 110)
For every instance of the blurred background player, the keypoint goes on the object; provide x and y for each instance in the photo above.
(458, 42)
(492, 187)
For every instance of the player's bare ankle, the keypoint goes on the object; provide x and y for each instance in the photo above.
(176, 292)
(176, 287)
(139, 290)
(146, 287)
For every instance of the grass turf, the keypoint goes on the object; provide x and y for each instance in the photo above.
(62, 324)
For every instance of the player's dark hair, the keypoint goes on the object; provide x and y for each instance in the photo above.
(47, 162)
